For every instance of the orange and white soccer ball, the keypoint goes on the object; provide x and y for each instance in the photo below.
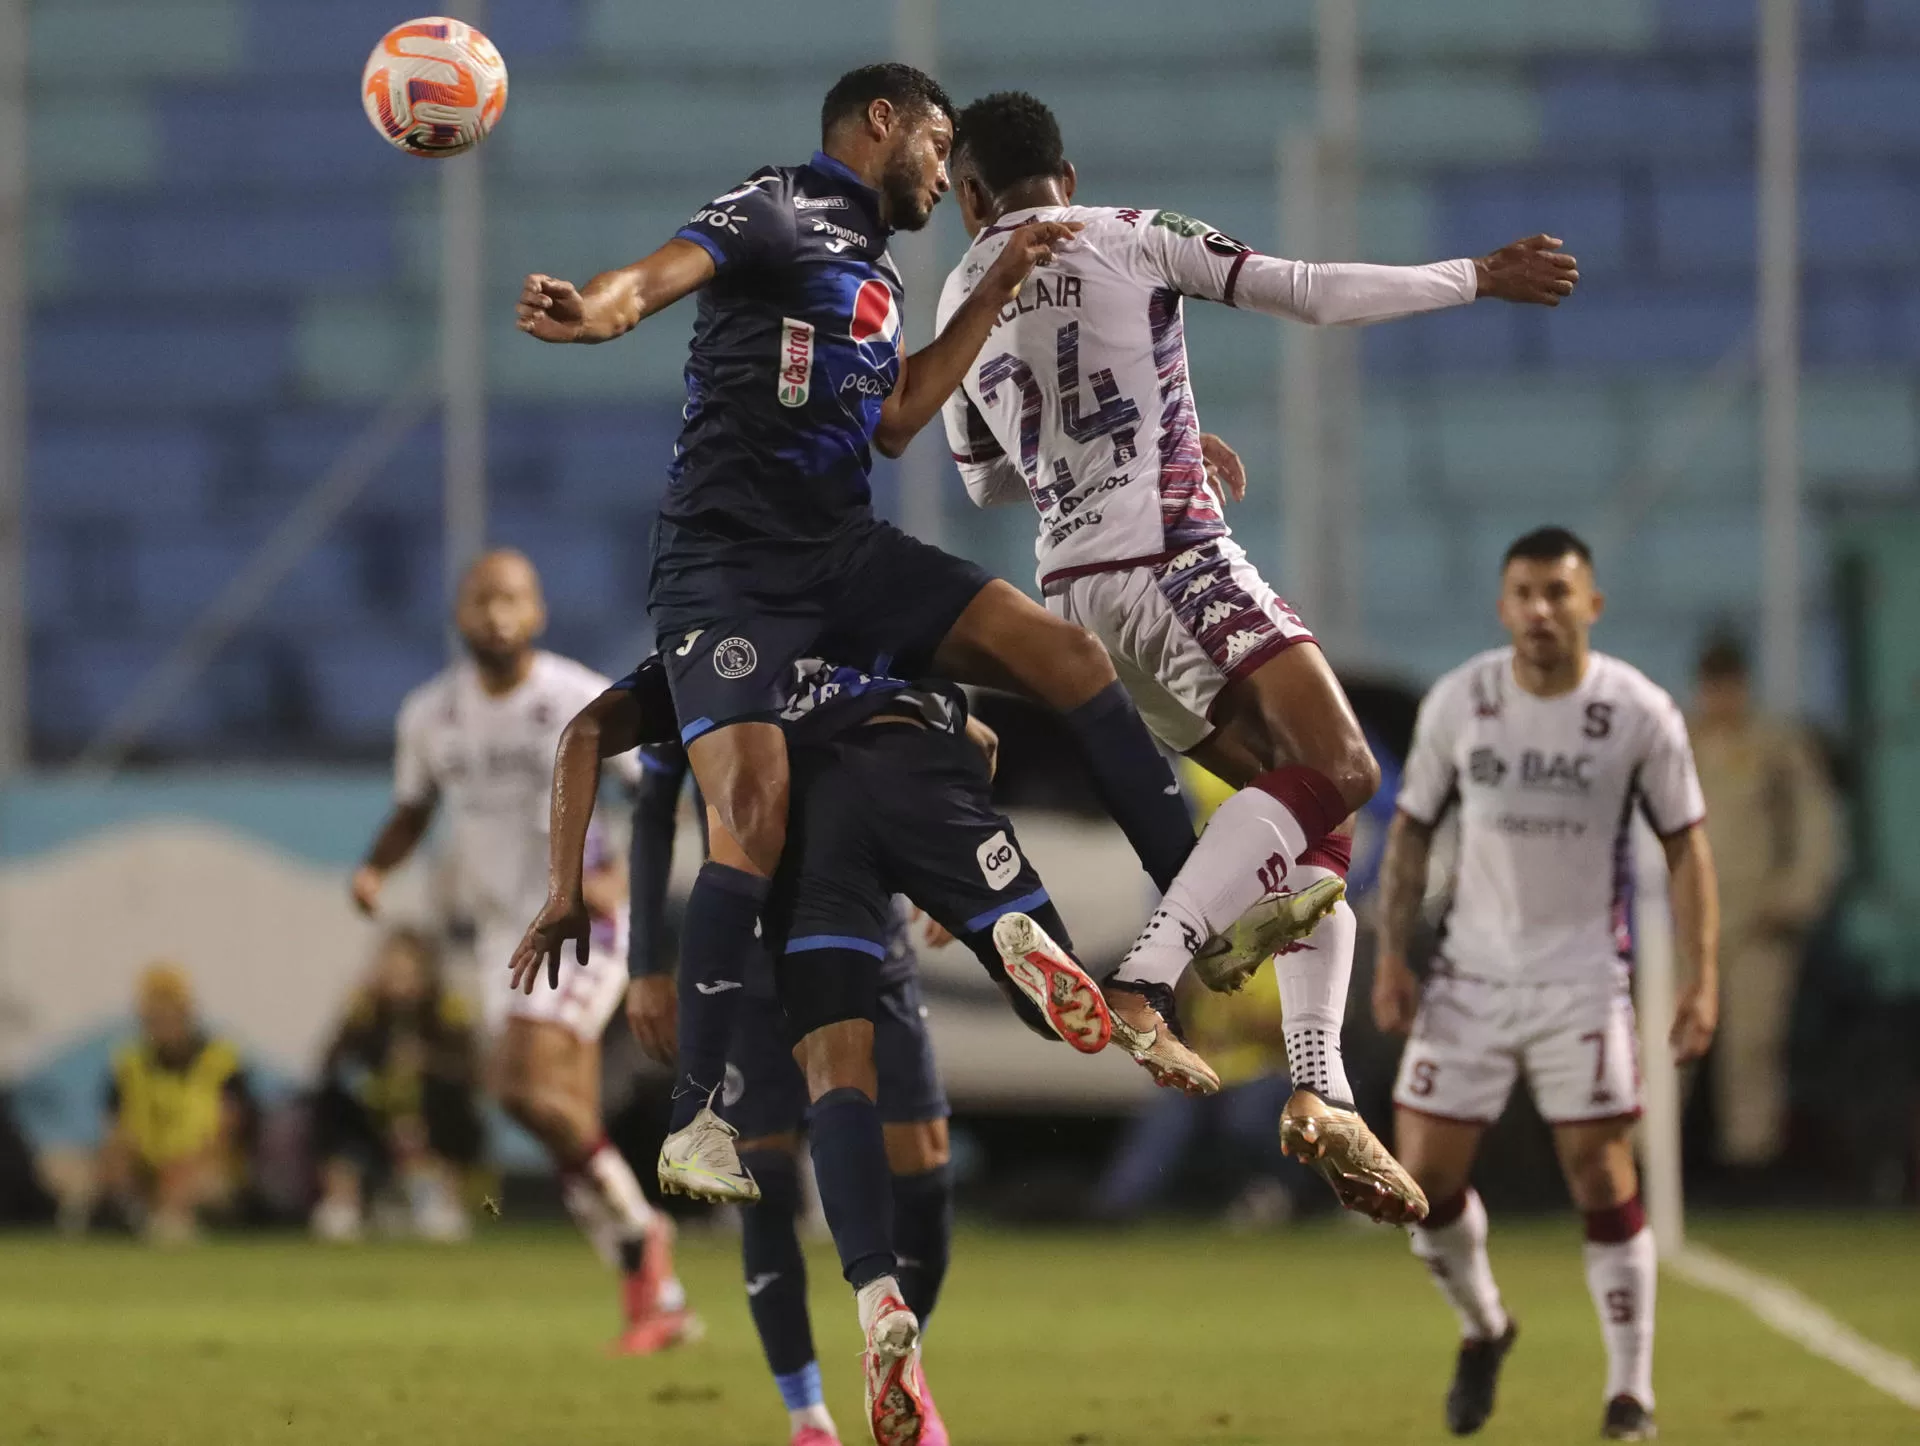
(434, 86)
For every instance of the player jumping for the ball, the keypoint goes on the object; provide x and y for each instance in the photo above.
(1546, 749)
(1080, 404)
(767, 548)
(891, 796)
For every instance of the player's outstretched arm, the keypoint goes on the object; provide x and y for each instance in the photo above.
(396, 841)
(929, 376)
(1534, 271)
(1695, 891)
(614, 302)
(1403, 885)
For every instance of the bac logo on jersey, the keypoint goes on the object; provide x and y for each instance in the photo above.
(1484, 766)
(796, 361)
(999, 861)
(1558, 773)
(875, 327)
(734, 658)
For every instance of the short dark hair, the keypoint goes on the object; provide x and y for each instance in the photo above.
(1547, 544)
(1723, 658)
(853, 92)
(1010, 136)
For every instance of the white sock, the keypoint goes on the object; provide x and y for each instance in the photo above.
(1221, 879)
(612, 1211)
(1620, 1278)
(590, 1213)
(814, 1416)
(869, 1296)
(607, 1170)
(1456, 1258)
(1314, 975)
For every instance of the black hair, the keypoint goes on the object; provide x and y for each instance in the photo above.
(853, 92)
(1008, 137)
(1547, 544)
(1723, 658)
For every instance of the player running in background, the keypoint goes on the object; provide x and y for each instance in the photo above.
(891, 796)
(1080, 404)
(480, 738)
(765, 1099)
(1546, 748)
(767, 549)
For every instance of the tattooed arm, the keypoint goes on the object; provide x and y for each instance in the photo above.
(1403, 884)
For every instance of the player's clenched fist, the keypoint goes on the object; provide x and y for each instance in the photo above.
(551, 309)
(1535, 270)
(1031, 245)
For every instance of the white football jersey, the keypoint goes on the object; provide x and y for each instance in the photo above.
(1546, 789)
(1080, 399)
(489, 761)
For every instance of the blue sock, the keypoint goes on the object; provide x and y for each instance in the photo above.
(776, 1270)
(850, 1165)
(719, 953)
(1134, 780)
(923, 1235)
(800, 1388)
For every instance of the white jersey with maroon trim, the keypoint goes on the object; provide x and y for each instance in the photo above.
(1546, 789)
(489, 762)
(1080, 400)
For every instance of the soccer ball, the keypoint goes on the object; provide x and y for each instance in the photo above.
(434, 86)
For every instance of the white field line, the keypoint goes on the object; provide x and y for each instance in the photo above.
(1800, 1320)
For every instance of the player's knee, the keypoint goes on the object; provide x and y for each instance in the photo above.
(1080, 668)
(916, 1148)
(1356, 774)
(753, 810)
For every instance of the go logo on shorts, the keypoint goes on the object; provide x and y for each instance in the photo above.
(999, 860)
(734, 658)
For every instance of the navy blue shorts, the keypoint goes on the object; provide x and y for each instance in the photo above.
(882, 809)
(765, 1093)
(730, 619)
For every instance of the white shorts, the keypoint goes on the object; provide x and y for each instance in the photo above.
(584, 1002)
(1180, 630)
(1575, 1043)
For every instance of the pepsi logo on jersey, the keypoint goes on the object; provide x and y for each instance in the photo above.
(875, 325)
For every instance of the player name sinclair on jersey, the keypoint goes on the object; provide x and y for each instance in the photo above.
(489, 760)
(1546, 789)
(1080, 399)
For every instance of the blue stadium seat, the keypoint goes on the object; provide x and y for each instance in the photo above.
(615, 455)
(80, 682)
(95, 40)
(168, 250)
(335, 39)
(1614, 111)
(1849, 323)
(1854, 105)
(298, 447)
(117, 469)
(229, 355)
(595, 573)
(1649, 327)
(1471, 216)
(1521, 440)
(234, 137)
(360, 679)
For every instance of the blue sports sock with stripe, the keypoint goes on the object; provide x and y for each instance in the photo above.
(720, 951)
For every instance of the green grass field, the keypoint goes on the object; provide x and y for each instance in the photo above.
(1325, 1335)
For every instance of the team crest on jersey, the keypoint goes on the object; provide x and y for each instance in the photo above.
(796, 361)
(1484, 766)
(734, 658)
(875, 324)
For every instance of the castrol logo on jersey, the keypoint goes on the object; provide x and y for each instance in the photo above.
(796, 361)
(875, 327)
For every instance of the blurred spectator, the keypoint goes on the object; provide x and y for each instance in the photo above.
(179, 1116)
(1773, 819)
(1240, 1036)
(398, 1101)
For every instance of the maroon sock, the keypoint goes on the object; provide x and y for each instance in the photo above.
(1442, 1213)
(1617, 1223)
(1334, 853)
(1309, 795)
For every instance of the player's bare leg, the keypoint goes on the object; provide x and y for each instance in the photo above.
(742, 772)
(1452, 1243)
(1597, 1159)
(548, 1080)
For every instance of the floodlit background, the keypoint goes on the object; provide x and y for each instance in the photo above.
(261, 393)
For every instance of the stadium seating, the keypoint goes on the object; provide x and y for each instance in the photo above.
(274, 271)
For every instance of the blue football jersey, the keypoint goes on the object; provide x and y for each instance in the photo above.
(796, 346)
